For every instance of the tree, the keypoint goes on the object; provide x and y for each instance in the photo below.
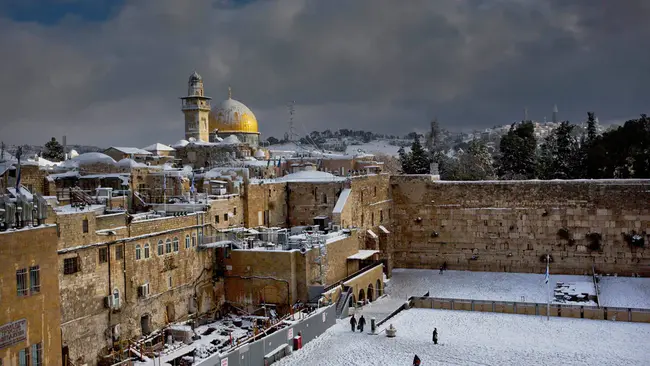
(272, 140)
(517, 149)
(415, 162)
(53, 151)
(476, 163)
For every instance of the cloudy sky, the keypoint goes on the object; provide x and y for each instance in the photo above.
(109, 72)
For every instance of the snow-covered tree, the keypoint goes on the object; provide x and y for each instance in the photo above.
(518, 152)
(53, 151)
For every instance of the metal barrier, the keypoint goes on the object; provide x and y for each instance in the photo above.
(539, 309)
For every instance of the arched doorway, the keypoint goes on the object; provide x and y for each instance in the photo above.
(378, 288)
(352, 301)
(171, 313)
(371, 293)
(362, 296)
(145, 324)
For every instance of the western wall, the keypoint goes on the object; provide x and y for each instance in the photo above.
(511, 226)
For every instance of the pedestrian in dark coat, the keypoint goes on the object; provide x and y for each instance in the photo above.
(441, 269)
(435, 335)
(362, 323)
(416, 361)
(353, 323)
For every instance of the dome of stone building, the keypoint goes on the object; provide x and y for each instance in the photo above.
(195, 77)
(232, 116)
(73, 154)
(259, 154)
(93, 158)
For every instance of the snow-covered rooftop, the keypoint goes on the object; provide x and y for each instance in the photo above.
(131, 150)
(311, 176)
(90, 158)
(158, 147)
(130, 163)
(180, 143)
(231, 140)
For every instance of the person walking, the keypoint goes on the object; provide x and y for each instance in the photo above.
(435, 335)
(353, 323)
(362, 323)
(416, 361)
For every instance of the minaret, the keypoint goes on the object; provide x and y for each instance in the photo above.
(555, 113)
(196, 108)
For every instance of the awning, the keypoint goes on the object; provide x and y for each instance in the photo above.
(372, 234)
(217, 244)
(383, 229)
(363, 254)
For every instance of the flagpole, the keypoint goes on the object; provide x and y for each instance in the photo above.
(164, 192)
(548, 289)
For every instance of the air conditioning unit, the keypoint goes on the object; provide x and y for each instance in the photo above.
(336, 227)
(116, 332)
(109, 302)
(143, 291)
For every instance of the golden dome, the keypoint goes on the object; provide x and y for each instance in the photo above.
(232, 116)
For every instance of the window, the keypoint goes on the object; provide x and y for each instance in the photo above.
(187, 241)
(193, 240)
(372, 219)
(85, 225)
(116, 298)
(216, 219)
(225, 217)
(103, 255)
(176, 244)
(170, 281)
(21, 282)
(35, 279)
(234, 210)
(200, 236)
(269, 193)
(71, 265)
(324, 198)
(375, 191)
(23, 357)
(168, 246)
(37, 354)
(58, 235)
(381, 216)
(146, 251)
(119, 252)
(138, 252)
(161, 249)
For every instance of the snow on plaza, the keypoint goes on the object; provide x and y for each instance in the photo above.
(479, 338)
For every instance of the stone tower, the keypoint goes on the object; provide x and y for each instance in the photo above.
(196, 108)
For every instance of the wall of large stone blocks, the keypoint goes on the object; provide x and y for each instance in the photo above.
(512, 225)
(229, 210)
(307, 200)
(271, 197)
(22, 250)
(179, 283)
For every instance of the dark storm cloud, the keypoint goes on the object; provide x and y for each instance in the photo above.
(384, 65)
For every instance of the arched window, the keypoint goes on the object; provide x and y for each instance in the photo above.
(116, 298)
(176, 244)
(194, 240)
(168, 246)
(161, 248)
(200, 237)
(146, 251)
(138, 252)
(187, 240)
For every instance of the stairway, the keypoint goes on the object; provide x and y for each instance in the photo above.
(343, 302)
(79, 196)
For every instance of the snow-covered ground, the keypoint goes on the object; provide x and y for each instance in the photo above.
(625, 292)
(476, 338)
(372, 147)
(495, 286)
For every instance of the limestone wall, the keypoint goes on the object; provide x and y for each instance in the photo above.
(308, 200)
(21, 250)
(511, 225)
(266, 202)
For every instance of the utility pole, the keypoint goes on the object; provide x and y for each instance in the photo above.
(292, 110)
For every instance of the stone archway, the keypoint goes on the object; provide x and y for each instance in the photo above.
(378, 288)
(352, 301)
(371, 293)
(171, 313)
(362, 296)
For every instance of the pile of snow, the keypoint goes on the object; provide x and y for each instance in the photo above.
(231, 140)
(477, 338)
(259, 154)
(130, 163)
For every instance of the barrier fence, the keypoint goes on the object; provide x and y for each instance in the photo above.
(526, 308)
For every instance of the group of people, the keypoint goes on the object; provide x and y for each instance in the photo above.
(357, 324)
(443, 267)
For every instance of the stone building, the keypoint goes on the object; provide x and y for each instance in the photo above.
(30, 319)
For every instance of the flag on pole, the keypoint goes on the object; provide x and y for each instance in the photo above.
(547, 275)
(192, 185)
